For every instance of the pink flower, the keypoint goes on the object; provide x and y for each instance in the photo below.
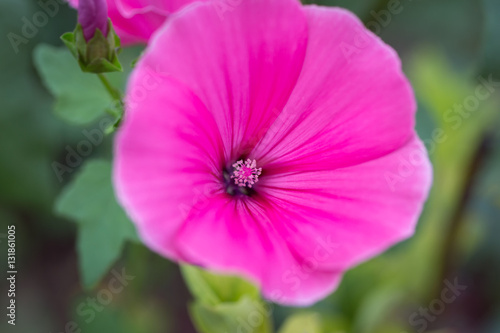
(301, 102)
(136, 20)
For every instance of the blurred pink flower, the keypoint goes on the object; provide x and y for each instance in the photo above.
(301, 102)
(136, 20)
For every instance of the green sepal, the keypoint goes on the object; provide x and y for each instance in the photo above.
(69, 40)
(98, 47)
(102, 65)
(81, 43)
(224, 302)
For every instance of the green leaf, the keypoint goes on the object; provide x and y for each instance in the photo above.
(103, 225)
(212, 289)
(246, 315)
(80, 97)
(308, 322)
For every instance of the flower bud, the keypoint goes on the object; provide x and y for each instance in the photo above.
(97, 54)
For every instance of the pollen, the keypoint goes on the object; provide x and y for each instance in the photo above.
(246, 173)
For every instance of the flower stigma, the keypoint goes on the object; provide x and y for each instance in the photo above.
(246, 173)
(242, 178)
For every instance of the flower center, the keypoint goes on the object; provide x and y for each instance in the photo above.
(240, 177)
(246, 174)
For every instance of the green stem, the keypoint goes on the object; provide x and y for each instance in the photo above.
(118, 109)
(113, 92)
(450, 241)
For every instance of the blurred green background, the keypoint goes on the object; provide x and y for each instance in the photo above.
(448, 47)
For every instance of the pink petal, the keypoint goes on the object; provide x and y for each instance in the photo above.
(167, 157)
(93, 15)
(241, 61)
(344, 109)
(138, 26)
(130, 8)
(345, 216)
(238, 237)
